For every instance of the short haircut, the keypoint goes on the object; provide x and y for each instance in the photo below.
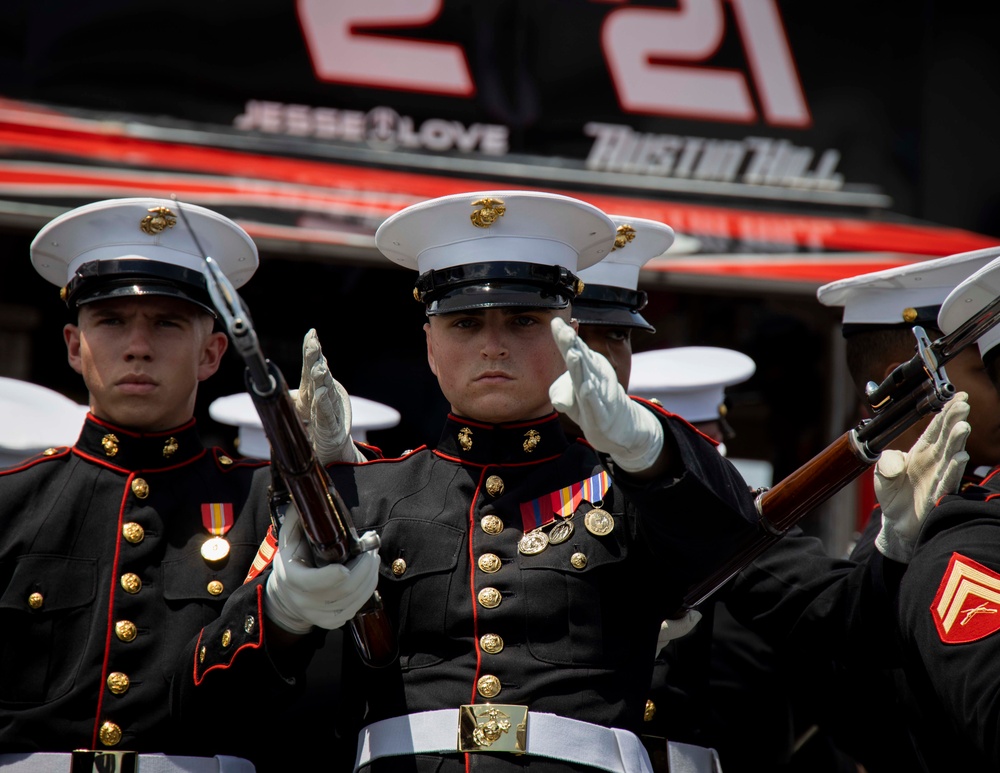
(869, 353)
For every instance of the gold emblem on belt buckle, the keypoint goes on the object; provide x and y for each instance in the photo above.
(493, 727)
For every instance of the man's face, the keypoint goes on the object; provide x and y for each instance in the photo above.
(495, 365)
(142, 358)
(615, 343)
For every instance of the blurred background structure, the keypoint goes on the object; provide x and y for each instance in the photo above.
(786, 144)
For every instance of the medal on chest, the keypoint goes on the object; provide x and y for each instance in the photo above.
(217, 517)
(554, 512)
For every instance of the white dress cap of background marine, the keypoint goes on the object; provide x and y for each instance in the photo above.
(35, 418)
(237, 410)
(904, 296)
(970, 298)
(496, 248)
(610, 293)
(690, 381)
(140, 246)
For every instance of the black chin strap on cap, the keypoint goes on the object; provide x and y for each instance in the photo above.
(633, 300)
(498, 283)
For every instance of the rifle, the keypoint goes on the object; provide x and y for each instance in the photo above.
(297, 475)
(914, 389)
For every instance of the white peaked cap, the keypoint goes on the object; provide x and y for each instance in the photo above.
(513, 226)
(237, 410)
(968, 299)
(140, 246)
(689, 381)
(637, 241)
(496, 248)
(34, 418)
(910, 294)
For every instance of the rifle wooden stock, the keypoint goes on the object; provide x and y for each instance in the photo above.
(783, 505)
(325, 519)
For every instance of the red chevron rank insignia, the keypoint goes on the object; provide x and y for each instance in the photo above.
(967, 604)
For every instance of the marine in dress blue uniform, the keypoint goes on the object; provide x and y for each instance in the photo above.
(526, 573)
(116, 551)
(949, 597)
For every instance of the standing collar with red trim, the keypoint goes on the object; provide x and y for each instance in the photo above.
(520, 442)
(132, 450)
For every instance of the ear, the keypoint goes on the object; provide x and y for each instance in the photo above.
(889, 369)
(430, 348)
(211, 354)
(71, 335)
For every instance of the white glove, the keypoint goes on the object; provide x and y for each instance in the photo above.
(324, 407)
(909, 484)
(675, 629)
(299, 595)
(589, 393)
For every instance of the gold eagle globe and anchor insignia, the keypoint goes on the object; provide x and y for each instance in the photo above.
(493, 727)
(490, 210)
(110, 444)
(623, 235)
(157, 221)
(170, 447)
(531, 440)
(465, 438)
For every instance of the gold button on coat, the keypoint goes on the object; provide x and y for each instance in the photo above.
(35, 600)
(227, 638)
(203, 650)
(140, 488)
(399, 567)
(490, 597)
(126, 630)
(579, 560)
(491, 643)
(249, 623)
(133, 532)
(225, 460)
(215, 587)
(491, 524)
(494, 485)
(110, 734)
(131, 582)
(489, 563)
(488, 686)
(118, 682)
(649, 712)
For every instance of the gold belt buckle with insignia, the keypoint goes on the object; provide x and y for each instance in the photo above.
(493, 727)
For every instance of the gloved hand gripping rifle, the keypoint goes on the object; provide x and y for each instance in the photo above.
(296, 473)
(913, 390)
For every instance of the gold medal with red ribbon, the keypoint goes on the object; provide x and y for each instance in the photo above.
(967, 604)
(542, 512)
(217, 518)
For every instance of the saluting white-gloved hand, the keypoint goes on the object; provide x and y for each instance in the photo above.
(324, 407)
(589, 393)
(299, 595)
(909, 484)
(676, 628)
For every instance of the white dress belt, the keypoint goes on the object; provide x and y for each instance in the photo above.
(57, 762)
(549, 735)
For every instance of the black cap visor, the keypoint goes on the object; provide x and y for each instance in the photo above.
(612, 306)
(496, 285)
(107, 279)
